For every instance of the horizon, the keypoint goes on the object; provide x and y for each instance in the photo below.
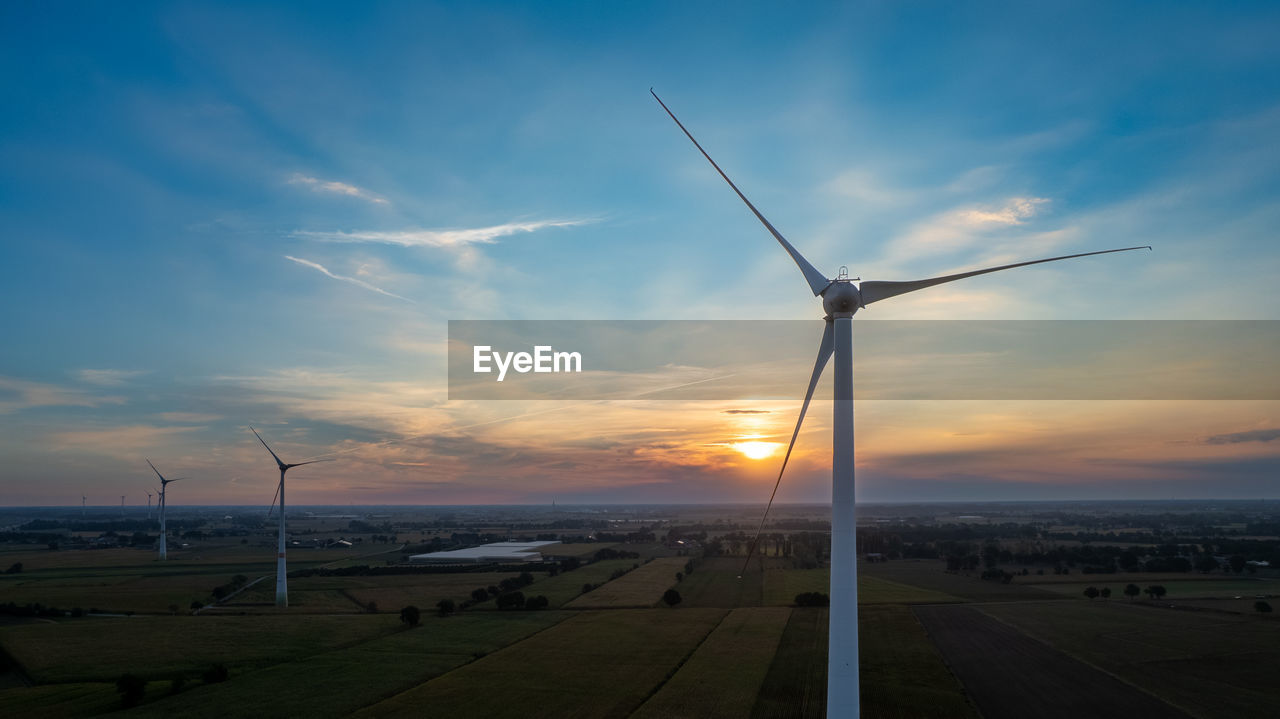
(215, 216)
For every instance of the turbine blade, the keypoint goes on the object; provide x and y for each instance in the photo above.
(817, 281)
(874, 290)
(299, 464)
(824, 353)
(153, 469)
(273, 499)
(264, 444)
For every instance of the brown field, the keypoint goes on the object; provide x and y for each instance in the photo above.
(1009, 675)
(1213, 664)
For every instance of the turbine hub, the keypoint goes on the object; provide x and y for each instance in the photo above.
(841, 298)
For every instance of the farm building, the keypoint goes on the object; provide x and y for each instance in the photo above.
(500, 552)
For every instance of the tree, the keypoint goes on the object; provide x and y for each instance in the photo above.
(1091, 592)
(371, 607)
(512, 600)
(411, 615)
(1132, 591)
(1262, 607)
(480, 595)
(196, 604)
(1237, 563)
(538, 602)
(671, 597)
(1106, 592)
(679, 577)
(132, 688)
(1155, 591)
(215, 674)
(445, 607)
(15, 568)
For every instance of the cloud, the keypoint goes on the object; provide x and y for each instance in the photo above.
(959, 228)
(337, 188)
(121, 441)
(745, 411)
(1013, 212)
(107, 377)
(18, 395)
(440, 238)
(1257, 435)
(352, 280)
(189, 417)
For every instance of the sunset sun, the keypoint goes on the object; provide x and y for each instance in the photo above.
(755, 449)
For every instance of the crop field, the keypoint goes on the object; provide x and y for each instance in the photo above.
(1006, 671)
(394, 591)
(595, 664)
(642, 587)
(795, 686)
(1178, 589)
(929, 574)
(723, 676)
(564, 587)
(715, 583)
(115, 592)
(98, 649)
(357, 676)
(1213, 664)
(903, 675)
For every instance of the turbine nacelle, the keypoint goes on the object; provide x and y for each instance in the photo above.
(841, 298)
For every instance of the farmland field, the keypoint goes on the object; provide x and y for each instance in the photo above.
(101, 649)
(903, 675)
(641, 587)
(1211, 663)
(715, 583)
(1177, 588)
(564, 587)
(795, 686)
(724, 675)
(1006, 671)
(360, 675)
(596, 664)
(929, 574)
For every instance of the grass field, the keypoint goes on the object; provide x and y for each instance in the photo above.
(722, 678)
(1212, 664)
(85, 650)
(781, 585)
(563, 587)
(116, 593)
(715, 583)
(357, 676)
(596, 664)
(1177, 588)
(53, 701)
(929, 574)
(392, 592)
(642, 587)
(795, 687)
(902, 673)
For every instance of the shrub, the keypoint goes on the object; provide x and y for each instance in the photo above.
(445, 607)
(132, 688)
(671, 597)
(411, 615)
(1263, 607)
(215, 674)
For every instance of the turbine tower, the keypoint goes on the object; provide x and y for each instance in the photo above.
(122, 505)
(282, 587)
(82, 499)
(164, 486)
(841, 298)
(148, 506)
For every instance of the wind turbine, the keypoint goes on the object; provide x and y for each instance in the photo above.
(282, 586)
(841, 298)
(82, 500)
(164, 486)
(148, 506)
(122, 505)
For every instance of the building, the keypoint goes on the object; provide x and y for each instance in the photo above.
(498, 552)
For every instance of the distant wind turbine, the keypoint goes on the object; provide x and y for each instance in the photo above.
(841, 298)
(164, 506)
(82, 500)
(122, 505)
(282, 587)
(148, 506)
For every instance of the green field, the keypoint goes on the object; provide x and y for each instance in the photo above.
(1177, 588)
(1209, 663)
(795, 687)
(903, 674)
(564, 587)
(723, 676)
(641, 587)
(596, 664)
(360, 675)
(101, 649)
(714, 582)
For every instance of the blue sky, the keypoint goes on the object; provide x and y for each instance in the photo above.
(219, 214)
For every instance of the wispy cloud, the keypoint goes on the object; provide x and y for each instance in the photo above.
(336, 188)
(107, 377)
(16, 395)
(440, 238)
(352, 280)
(962, 227)
(1257, 435)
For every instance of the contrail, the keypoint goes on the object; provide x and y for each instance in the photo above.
(352, 280)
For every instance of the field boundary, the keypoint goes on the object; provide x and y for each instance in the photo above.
(683, 660)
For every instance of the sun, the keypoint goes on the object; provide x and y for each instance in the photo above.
(755, 449)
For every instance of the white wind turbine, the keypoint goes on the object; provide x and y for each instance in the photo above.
(148, 506)
(841, 298)
(164, 486)
(282, 587)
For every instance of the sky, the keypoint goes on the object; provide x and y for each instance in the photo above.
(216, 215)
